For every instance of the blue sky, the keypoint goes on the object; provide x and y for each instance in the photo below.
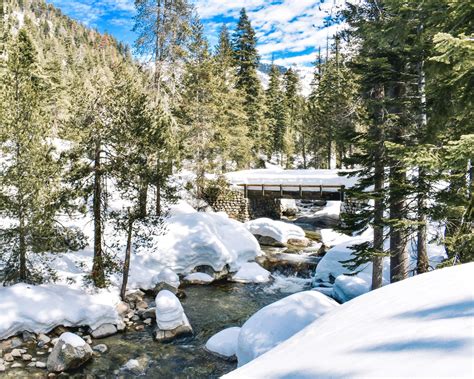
(288, 30)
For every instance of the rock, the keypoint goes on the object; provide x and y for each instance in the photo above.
(28, 336)
(17, 365)
(299, 242)
(166, 279)
(147, 313)
(31, 364)
(217, 275)
(8, 357)
(104, 330)
(148, 321)
(133, 297)
(54, 341)
(140, 328)
(16, 342)
(269, 241)
(122, 308)
(17, 353)
(170, 317)
(137, 366)
(121, 325)
(101, 348)
(136, 318)
(70, 352)
(59, 330)
(43, 339)
(88, 339)
(142, 305)
(26, 357)
(2, 368)
(40, 364)
(251, 272)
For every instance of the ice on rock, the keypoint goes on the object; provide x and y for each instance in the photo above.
(418, 327)
(281, 232)
(224, 343)
(277, 322)
(251, 272)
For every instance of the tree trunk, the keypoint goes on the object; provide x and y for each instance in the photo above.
(22, 249)
(143, 199)
(303, 141)
(126, 263)
(98, 275)
(379, 180)
(398, 251)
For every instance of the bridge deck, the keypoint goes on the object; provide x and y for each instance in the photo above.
(289, 191)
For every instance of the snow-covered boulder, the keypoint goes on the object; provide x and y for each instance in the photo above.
(276, 233)
(419, 327)
(277, 322)
(251, 272)
(196, 239)
(170, 317)
(70, 352)
(348, 287)
(198, 278)
(166, 279)
(224, 343)
(40, 309)
(288, 207)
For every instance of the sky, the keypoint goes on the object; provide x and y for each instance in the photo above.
(288, 31)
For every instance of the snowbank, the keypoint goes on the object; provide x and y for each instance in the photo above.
(251, 272)
(419, 327)
(332, 209)
(278, 230)
(224, 343)
(277, 322)
(40, 309)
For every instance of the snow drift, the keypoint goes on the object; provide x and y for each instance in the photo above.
(419, 327)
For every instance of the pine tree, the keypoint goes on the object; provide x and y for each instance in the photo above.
(31, 192)
(247, 60)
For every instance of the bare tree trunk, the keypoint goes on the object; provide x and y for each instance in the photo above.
(143, 199)
(98, 275)
(22, 249)
(379, 180)
(126, 263)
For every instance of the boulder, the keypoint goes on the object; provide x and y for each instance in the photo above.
(170, 317)
(104, 330)
(101, 348)
(251, 272)
(70, 352)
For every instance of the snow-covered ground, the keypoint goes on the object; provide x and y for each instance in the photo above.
(419, 327)
(39, 309)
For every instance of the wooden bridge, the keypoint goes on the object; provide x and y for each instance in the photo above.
(291, 191)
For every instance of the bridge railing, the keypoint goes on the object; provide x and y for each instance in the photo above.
(301, 191)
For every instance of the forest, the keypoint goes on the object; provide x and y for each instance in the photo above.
(93, 128)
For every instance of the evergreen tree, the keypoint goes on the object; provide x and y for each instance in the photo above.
(247, 60)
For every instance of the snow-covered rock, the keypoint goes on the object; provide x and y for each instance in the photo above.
(199, 278)
(224, 343)
(277, 322)
(288, 207)
(70, 352)
(39, 309)
(166, 279)
(251, 272)
(348, 287)
(170, 317)
(104, 330)
(278, 231)
(419, 327)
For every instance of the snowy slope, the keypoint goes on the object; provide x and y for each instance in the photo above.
(420, 327)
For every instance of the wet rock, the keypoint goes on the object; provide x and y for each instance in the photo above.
(70, 352)
(269, 241)
(26, 357)
(40, 364)
(137, 366)
(31, 364)
(104, 330)
(101, 348)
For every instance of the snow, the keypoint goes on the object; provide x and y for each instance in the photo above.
(40, 309)
(169, 311)
(329, 237)
(72, 339)
(277, 176)
(251, 272)
(277, 322)
(419, 327)
(199, 277)
(167, 276)
(331, 209)
(278, 230)
(348, 287)
(224, 343)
